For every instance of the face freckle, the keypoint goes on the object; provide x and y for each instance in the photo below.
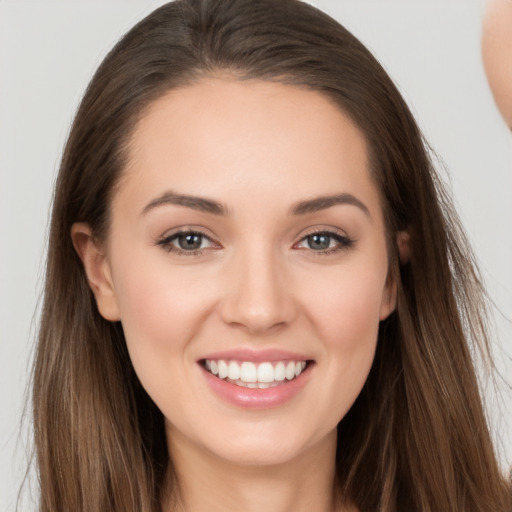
(247, 229)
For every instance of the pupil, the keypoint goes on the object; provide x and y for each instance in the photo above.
(190, 241)
(319, 241)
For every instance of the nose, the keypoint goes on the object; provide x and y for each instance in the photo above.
(259, 296)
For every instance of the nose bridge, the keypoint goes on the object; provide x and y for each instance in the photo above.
(258, 298)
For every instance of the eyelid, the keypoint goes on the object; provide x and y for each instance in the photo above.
(329, 230)
(345, 242)
(165, 240)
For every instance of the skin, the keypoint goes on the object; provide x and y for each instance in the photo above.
(497, 53)
(258, 148)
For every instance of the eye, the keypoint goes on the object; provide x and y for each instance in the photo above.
(190, 241)
(325, 242)
(187, 242)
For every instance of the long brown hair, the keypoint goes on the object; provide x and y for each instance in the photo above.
(416, 438)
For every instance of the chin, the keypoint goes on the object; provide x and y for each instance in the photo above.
(259, 453)
(264, 445)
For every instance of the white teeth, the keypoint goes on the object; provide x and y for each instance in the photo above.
(280, 371)
(248, 372)
(290, 370)
(233, 371)
(265, 373)
(223, 369)
(251, 375)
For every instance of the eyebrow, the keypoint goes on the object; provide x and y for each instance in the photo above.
(215, 207)
(196, 203)
(323, 202)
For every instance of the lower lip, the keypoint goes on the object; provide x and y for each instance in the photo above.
(257, 398)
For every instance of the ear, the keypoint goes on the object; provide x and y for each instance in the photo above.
(388, 303)
(97, 269)
(403, 240)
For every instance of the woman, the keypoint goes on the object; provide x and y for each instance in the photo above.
(257, 295)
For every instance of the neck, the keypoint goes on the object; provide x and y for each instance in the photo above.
(208, 483)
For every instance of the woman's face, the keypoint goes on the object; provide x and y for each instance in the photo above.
(247, 238)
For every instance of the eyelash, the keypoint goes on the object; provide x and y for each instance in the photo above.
(343, 242)
(166, 242)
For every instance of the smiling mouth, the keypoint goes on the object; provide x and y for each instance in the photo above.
(255, 375)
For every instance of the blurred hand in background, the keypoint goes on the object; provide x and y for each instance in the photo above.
(497, 53)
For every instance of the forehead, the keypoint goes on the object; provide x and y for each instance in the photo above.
(223, 138)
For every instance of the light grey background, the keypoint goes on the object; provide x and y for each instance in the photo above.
(48, 52)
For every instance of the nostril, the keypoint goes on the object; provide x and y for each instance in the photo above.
(258, 301)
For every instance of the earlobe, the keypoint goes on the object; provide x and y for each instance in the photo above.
(389, 297)
(403, 240)
(97, 269)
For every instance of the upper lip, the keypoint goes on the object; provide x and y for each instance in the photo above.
(256, 356)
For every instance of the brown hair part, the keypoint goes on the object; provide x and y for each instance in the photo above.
(416, 437)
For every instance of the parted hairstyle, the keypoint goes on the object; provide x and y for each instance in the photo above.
(416, 439)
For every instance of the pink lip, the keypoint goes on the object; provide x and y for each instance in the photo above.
(256, 356)
(256, 398)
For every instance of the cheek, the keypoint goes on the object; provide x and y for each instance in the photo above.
(349, 313)
(162, 310)
(160, 305)
(347, 321)
(148, 306)
(352, 338)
